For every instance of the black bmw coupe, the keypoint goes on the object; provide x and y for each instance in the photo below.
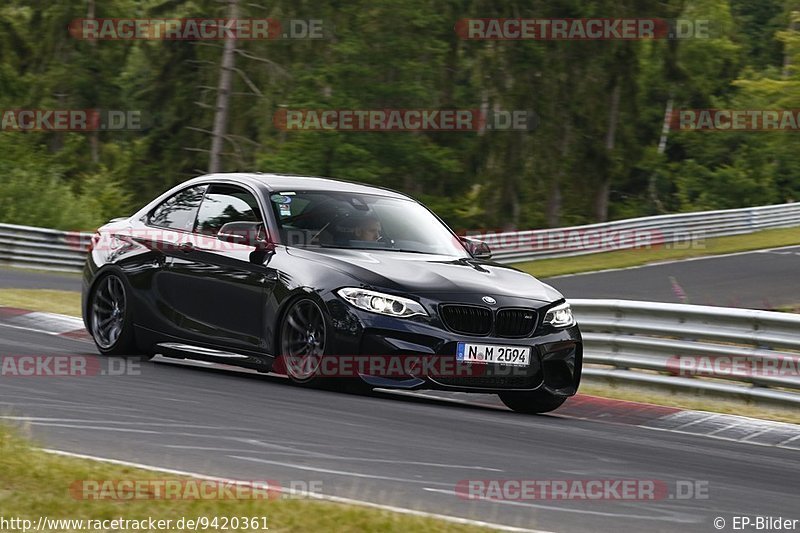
(323, 279)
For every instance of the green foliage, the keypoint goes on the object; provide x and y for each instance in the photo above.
(701, 188)
(587, 158)
(34, 193)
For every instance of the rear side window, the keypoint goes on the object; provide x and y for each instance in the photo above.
(223, 204)
(179, 210)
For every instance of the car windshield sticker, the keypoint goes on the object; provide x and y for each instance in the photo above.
(281, 199)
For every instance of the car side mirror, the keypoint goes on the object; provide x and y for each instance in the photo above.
(246, 233)
(477, 249)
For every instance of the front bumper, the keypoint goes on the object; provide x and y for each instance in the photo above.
(556, 356)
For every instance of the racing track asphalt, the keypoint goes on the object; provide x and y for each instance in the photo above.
(386, 448)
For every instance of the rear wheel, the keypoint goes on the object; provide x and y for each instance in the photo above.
(532, 402)
(110, 318)
(303, 337)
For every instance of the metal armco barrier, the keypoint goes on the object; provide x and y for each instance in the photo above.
(41, 248)
(57, 250)
(743, 353)
(679, 230)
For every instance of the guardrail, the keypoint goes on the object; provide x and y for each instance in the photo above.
(58, 250)
(41, 248)
(682, 229)
(748, 354)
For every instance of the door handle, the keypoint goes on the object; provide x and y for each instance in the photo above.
(186, 247)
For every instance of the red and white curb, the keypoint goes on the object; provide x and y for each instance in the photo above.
(656, 417)
(48, 323)
(716, 425)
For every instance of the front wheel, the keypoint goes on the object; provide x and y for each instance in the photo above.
(532, 402)
(303, 336)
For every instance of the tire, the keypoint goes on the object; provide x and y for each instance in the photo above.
(110, 320)
(533, 402)
(303, 336)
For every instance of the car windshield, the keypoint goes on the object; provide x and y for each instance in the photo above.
(331, 219)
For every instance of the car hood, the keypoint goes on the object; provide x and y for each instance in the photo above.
(423, 273)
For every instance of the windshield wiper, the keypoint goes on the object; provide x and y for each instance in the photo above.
(412, 251)
(376, 249)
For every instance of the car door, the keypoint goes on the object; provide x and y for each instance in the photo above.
(160, 234)
(218, 288)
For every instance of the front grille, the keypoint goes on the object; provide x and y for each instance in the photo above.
(476, 320)
(514, 322)
(467, 319)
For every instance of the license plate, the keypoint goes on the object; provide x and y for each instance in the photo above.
(468, 352)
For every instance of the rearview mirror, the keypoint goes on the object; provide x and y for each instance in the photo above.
(477, 249)
(246, 233)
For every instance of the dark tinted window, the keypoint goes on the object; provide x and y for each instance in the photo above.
(360, 221)
(178, 211)
(223, 204)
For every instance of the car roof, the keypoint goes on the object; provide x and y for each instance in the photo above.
(289, 182)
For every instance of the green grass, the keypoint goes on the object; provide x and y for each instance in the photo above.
(70, 274)
(34, 483)
(545, 268)
(46, 300)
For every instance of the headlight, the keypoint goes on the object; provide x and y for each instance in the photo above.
(560, 316)
(384, 304)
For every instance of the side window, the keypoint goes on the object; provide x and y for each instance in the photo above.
(223, 204)
(178, 211)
